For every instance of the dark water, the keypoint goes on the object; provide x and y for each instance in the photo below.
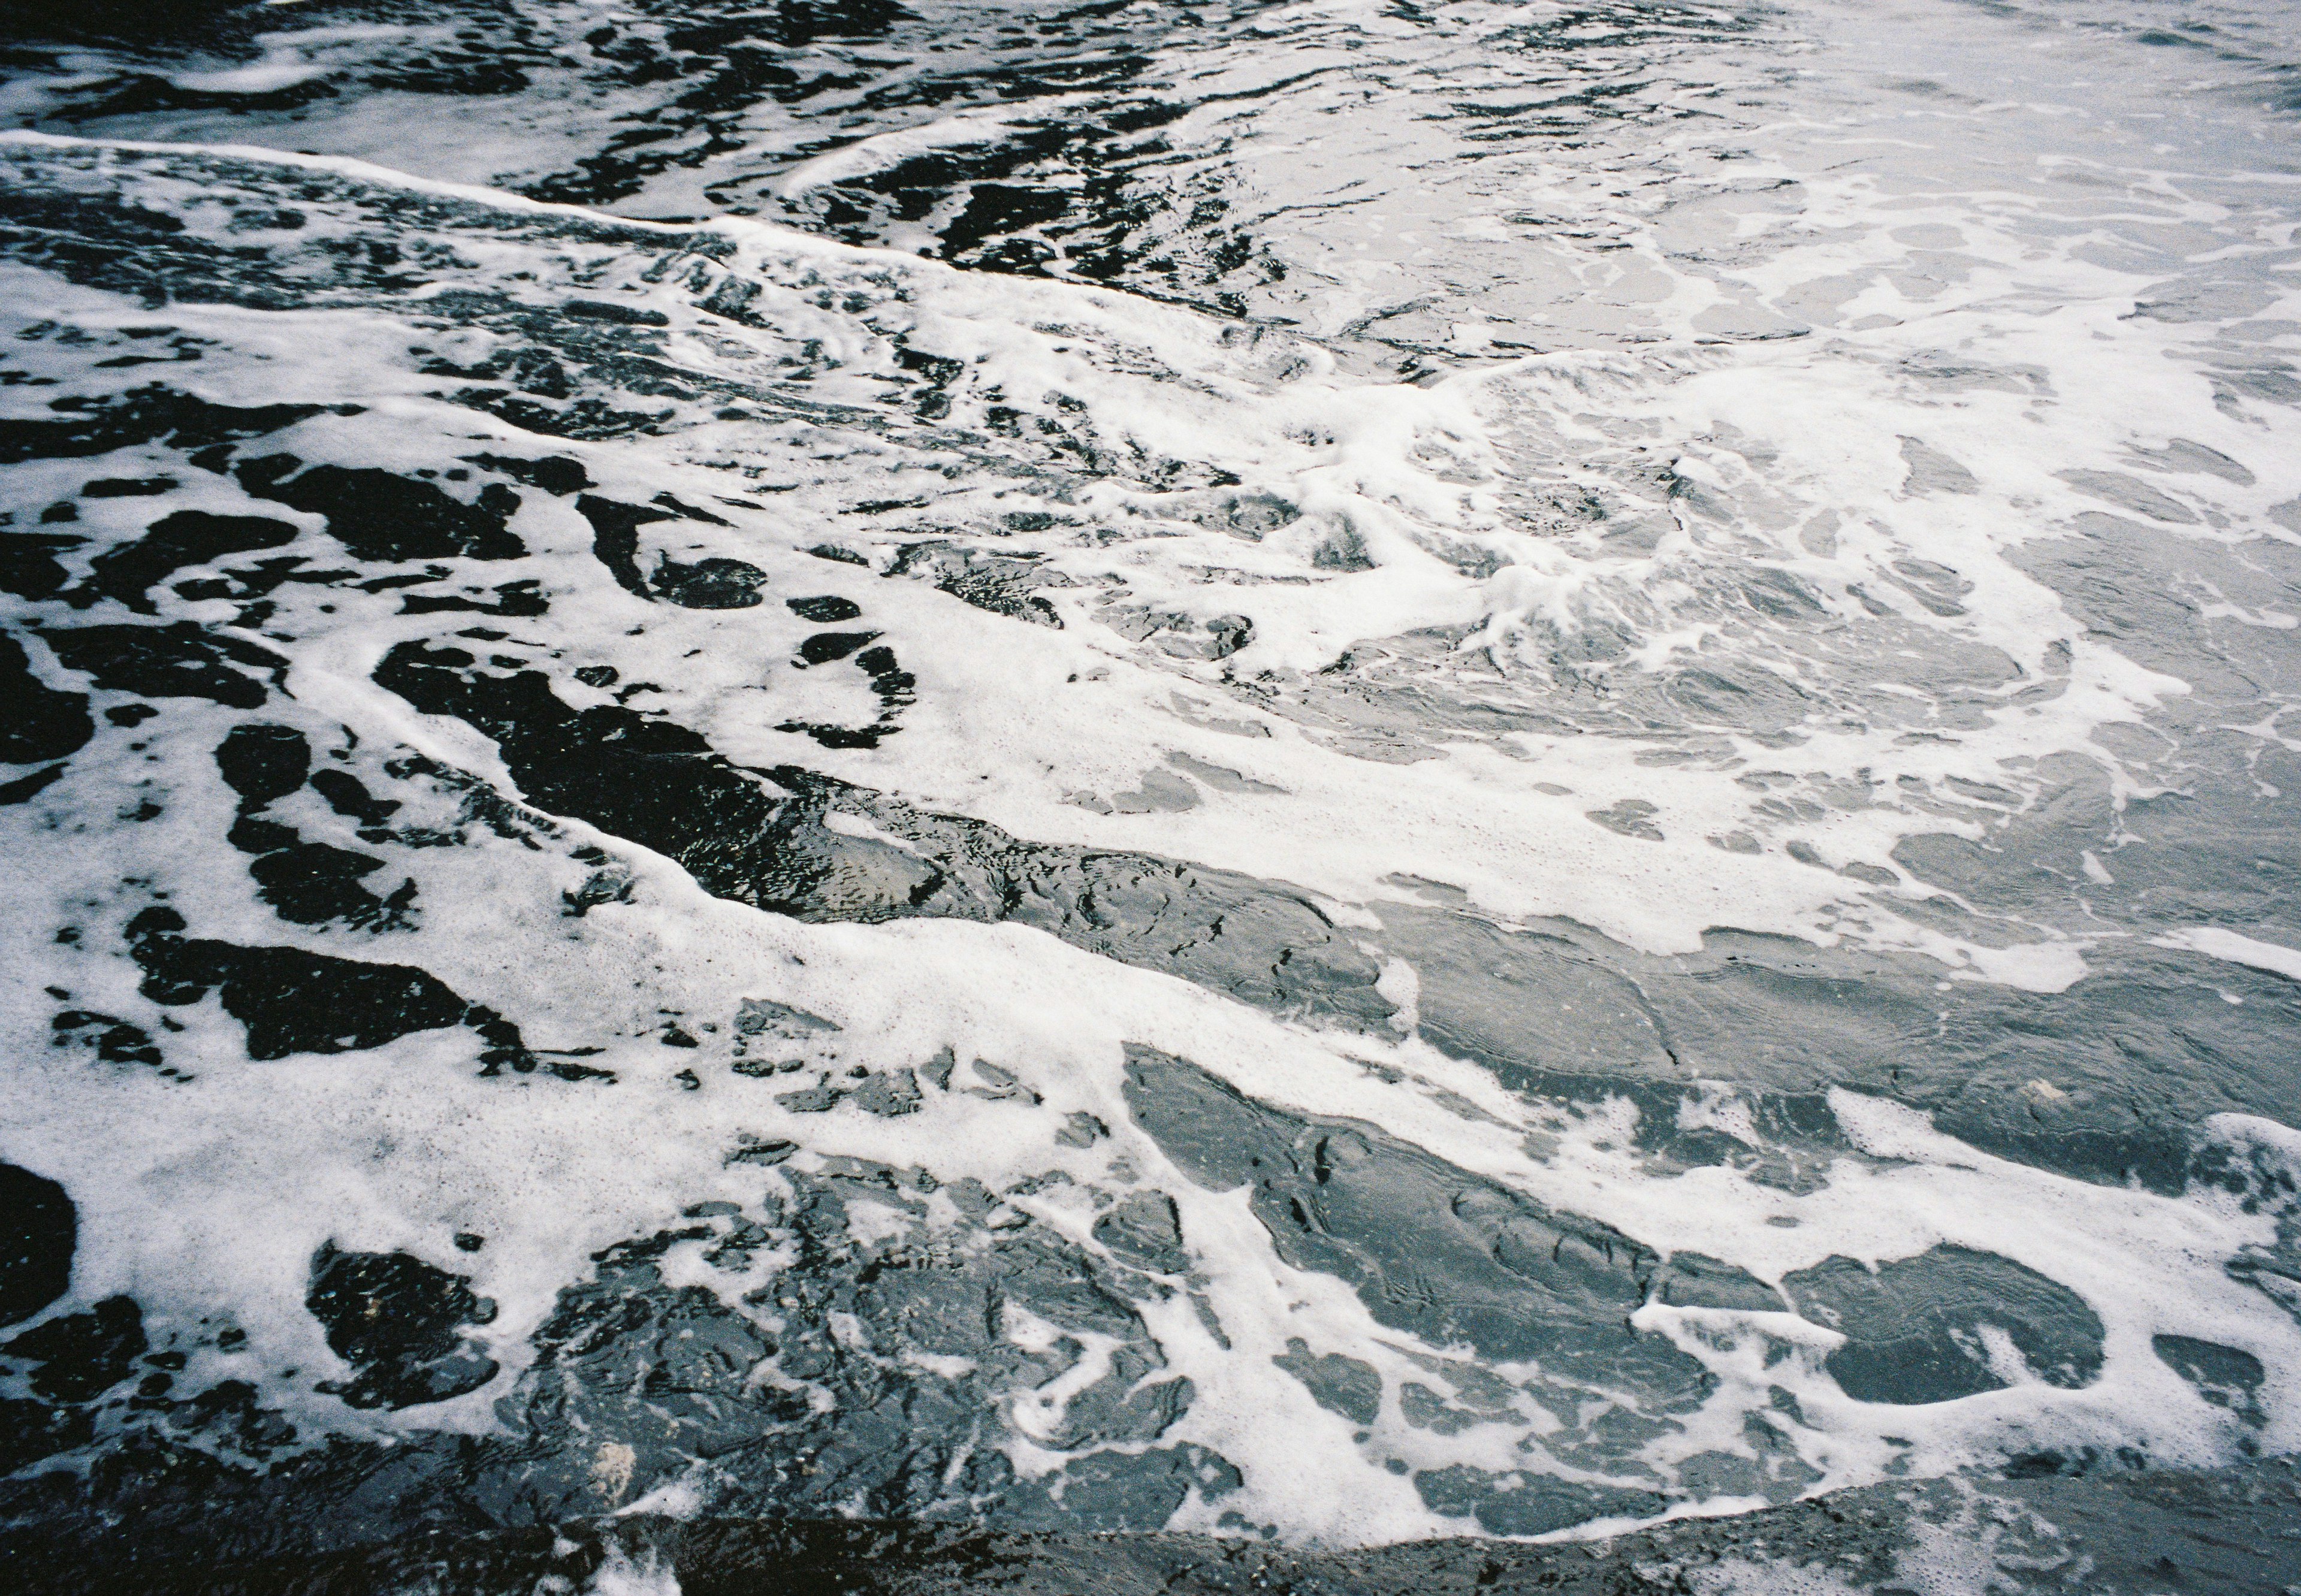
(1330, 773)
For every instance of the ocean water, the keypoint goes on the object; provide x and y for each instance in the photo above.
(1331, 773)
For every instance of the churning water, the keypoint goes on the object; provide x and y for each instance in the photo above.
(1335, 771)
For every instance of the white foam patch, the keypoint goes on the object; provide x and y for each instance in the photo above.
(2216, 942)
(1741, 1577)
(881, 151)
(619, 1575)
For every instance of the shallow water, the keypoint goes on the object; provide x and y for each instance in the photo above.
(1324, 771)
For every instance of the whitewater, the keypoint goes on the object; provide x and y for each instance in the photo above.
(1326, 775)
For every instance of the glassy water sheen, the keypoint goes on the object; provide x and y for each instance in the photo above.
(1343, 771)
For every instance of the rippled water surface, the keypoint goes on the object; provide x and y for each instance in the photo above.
(1335, 771)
